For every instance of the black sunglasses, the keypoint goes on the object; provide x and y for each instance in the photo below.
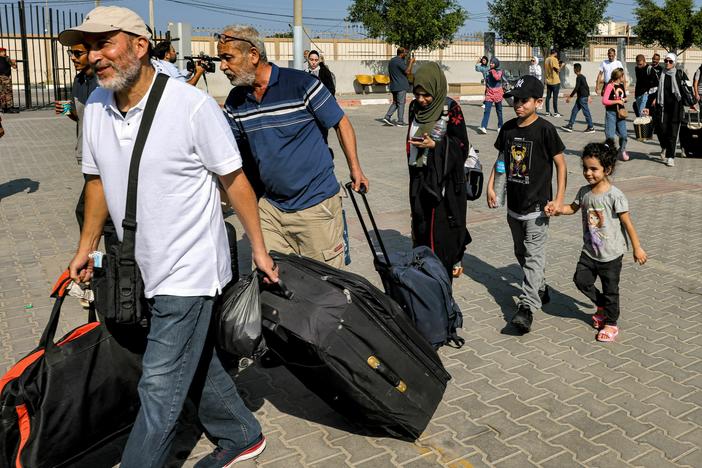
(222, 38)
(668, 61)
(76, 53)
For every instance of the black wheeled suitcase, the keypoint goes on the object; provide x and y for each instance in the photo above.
(353, 346)
(691, 136)
(419, 283)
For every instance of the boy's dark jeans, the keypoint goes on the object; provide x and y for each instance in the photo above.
(581, 103)
(552, 90)
(587, 272)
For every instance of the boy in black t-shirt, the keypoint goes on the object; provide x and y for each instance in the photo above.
(582, 90)
(531, 146)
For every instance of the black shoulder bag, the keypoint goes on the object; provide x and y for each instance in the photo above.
(118, 285)
(687, 96)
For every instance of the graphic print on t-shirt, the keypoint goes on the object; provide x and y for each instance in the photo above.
(595, 235)
(519, 161)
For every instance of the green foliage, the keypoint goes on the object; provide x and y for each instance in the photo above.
(288, 34)
(675, 26)
(546, 23)
(414, 24)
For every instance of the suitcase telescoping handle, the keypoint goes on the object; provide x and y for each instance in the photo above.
(349, 189)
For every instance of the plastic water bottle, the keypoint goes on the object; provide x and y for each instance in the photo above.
(436, 134)
(500, 180)
(439, 130)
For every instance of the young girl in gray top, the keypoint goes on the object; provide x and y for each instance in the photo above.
(604, 239)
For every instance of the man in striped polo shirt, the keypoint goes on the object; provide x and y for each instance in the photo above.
(277, 115)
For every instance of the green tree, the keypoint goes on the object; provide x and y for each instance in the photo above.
(414, 24)
(287, 34)
(562, 24)
(675, 26)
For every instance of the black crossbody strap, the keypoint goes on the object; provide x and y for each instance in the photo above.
(129, 224)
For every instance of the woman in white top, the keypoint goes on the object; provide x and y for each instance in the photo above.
(535, 68)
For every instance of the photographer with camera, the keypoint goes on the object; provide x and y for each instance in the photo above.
(164, 58)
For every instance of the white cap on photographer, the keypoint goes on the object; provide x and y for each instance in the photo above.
(106, 19)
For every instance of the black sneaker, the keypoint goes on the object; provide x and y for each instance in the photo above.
(568, 128)
(545, 296)
(589, 130)
(387, 121)
(400, 124)
(222, 458)
(522, 319)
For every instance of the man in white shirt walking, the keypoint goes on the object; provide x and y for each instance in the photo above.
(606, 69)
(181, 245)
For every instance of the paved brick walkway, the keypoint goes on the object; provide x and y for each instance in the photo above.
(552, 398)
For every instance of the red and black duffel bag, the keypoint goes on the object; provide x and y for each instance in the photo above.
(69, 399)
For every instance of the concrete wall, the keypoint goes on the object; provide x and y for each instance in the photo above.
(456, 72)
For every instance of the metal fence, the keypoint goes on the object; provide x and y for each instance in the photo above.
(44, 71)
(29, 33)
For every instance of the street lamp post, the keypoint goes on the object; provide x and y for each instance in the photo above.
(151, 17)
(298, 59)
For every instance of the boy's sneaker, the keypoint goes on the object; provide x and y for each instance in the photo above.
(625, 156)
(568, 128)
(589, 130)
(400, 124)
(482, 130)
(387, 121)
(555, 114)
(663, 158)
(670, 162)
(545, 296)
(522, 319)
(222, 458)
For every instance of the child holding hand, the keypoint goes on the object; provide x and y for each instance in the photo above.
(604, 240)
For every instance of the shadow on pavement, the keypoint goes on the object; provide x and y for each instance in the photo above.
(500, 283)
(16, 186)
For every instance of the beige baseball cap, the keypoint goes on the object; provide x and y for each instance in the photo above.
(105, 19)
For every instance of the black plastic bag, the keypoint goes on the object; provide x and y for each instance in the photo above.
(239, 319)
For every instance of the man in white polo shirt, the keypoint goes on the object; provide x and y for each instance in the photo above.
(606, 69)
(181, 245)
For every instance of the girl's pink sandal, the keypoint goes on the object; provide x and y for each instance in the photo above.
(608, 333)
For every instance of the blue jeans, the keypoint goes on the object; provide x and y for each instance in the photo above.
(486, 113)
(398, 103)
(614, 127)
(581, 103)
(179, 359)
(641, 104)
(552, 90)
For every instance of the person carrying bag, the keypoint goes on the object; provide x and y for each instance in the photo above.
(117, 284)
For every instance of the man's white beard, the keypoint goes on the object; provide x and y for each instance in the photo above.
(243, 79)
(123, 78)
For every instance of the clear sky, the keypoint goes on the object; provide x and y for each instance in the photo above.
(321, 16)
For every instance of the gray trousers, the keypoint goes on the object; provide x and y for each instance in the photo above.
(529, 239)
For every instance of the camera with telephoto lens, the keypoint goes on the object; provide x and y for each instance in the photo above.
(205, 61)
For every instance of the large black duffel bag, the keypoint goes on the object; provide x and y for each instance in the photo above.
(353, 346)
(66, 401)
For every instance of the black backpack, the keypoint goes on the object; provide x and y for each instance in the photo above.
(687, 96)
